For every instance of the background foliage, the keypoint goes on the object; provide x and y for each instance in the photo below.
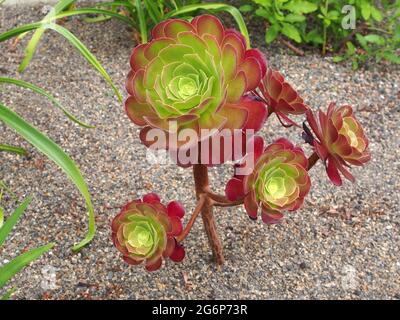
(318, 23)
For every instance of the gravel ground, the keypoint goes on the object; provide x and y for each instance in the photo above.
(344, 243)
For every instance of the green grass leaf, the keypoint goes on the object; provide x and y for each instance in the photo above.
(12, 220)
(13, 149)
(56, 154)
(8, 294)
(32, 45)
(11, 268)
(44, 93)
(1, 217)
(142, 21)
(217, 7)
(19, 30)
(84, 51)
(154, 11)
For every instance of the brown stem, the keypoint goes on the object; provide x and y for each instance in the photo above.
(292, 47)
(227, 204)
(219, 200)
(312, 160)
(196, 212)
(200, 173)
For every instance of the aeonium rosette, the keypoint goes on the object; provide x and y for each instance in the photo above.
(195, 75)
(280, 96)
(145, 231)
(279, 181)
(340, 141)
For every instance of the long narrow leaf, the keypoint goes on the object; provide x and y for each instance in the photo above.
(12, 149)
(31, 47)
(19, 30)
(84, 51)
(12, 220)
(153, 10)
(215, 7)
(122, 3)
(56, 154)
(1, 217)
(142, 21)
(80, 11)
(14, 266)
(43, 24)
(9, 293)
(44, 93)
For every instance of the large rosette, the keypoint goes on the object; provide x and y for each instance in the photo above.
(197, 75)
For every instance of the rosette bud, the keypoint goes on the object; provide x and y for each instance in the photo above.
(279, 181)
(340, 141)
(145, 231)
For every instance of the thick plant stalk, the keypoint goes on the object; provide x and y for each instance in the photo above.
(312, 160)
(200, 173)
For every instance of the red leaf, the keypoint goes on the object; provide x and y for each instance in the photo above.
(151, 197)
(333, 172)
(234, 189)
(175, 208)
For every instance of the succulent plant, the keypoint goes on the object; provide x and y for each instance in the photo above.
(200, 76)
(279, 181)
(197, 74)
(145, 231)
(340, 141)
(280, 96)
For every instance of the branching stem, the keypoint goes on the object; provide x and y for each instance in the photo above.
(312, 160)
(195, 214)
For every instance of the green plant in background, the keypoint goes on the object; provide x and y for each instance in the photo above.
(10, 269)
(47, 147)
(376, 32)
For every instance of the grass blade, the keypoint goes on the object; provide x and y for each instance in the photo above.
(9, 293)
(84, 51)
(44, 93)
(56, 154)
(1, 217)
(125, 3)
(19, 30)
(13, 267)
(32, 45)
(142, 21)
(108, 13)
(12, 149)
(215, 7)
(12, 220)
(153, 10)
